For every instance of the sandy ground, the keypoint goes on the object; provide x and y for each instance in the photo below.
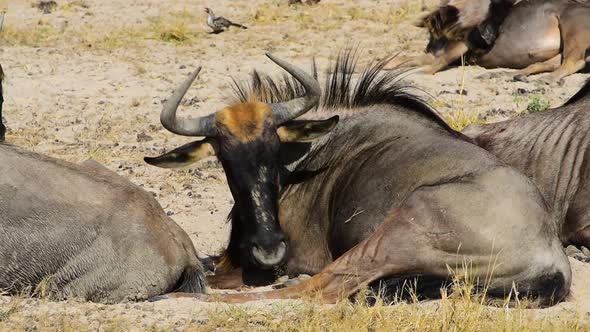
(87, 81)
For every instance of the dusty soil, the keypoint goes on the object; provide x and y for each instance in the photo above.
(87, 81)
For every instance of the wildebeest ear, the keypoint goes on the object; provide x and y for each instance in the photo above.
(306, 130)
(185, 155)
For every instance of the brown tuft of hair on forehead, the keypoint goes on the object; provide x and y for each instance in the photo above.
(245, 121)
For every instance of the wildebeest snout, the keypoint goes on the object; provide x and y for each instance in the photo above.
(269, 251)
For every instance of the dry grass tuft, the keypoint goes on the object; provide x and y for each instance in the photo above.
(172, 28)
(75, 5)
(459, 119)
(36, 36)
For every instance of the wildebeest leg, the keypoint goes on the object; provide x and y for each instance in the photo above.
(570, 66)
(431, 63)
(537, 68)
(452, 53)
(409, 61)
(574, 26)
(230, 280)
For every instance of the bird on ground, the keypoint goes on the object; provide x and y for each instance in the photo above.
(218, 23)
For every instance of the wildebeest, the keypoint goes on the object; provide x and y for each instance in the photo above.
(552, 148)
(71, 230)
(534, 36)
(246, 139)
(2, 127)
(392, 192)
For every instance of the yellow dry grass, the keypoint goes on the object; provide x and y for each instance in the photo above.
(460, 119)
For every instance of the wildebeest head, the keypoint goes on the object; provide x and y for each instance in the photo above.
(246, 139)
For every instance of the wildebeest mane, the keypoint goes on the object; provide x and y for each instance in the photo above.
(374, 86)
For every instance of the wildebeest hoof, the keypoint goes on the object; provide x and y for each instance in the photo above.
(292, 282)
(551, 81)
(520, 78)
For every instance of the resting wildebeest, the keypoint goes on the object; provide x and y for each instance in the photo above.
(551, 148)
(392, 192)
(534, 36)
(2, 127)
(83, 231)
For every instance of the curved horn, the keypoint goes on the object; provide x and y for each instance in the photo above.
(202, 126)
(291, 109)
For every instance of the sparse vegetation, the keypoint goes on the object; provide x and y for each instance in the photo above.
(75, 4)
(170, 32)
(537, 105)
(36, 36)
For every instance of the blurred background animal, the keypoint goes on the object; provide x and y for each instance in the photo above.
(534, 36)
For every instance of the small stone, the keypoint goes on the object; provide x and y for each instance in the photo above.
(143, 137)
(585, 251)
(169, 213)
(283, 279)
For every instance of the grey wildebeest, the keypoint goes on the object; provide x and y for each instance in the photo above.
(551, 148)
(84, 231)
(535, 36)
(391, 192)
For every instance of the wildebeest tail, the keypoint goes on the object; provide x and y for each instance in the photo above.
(583, 94)
(192, 280)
